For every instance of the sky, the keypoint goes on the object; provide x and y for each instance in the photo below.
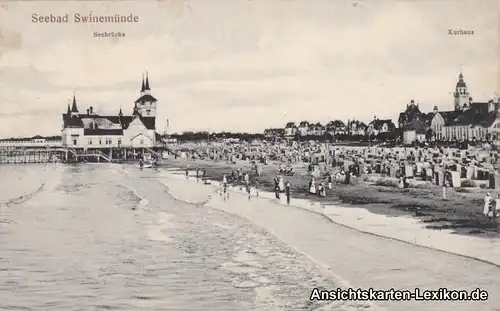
(245, 65)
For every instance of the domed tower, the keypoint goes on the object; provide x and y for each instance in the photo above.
(461, 94)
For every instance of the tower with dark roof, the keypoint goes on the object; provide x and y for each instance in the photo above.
(461, 95)
(147, 90)
(143, 86)
(145, 105)
(74, 108)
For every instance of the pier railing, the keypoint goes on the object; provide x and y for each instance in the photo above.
(22, 156)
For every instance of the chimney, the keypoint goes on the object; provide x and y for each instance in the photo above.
(91, 109)
(88, 111)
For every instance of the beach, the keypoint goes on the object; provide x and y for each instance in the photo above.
(461, 212)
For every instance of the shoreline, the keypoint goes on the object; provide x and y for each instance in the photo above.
(461, 213)
(401, 229)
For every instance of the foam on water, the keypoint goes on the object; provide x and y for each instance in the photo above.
(158, 230)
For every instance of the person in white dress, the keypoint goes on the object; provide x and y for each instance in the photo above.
(281, 183)
(487, 202)
(312, 186)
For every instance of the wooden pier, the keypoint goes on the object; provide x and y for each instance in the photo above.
(72, 155)
(23, 156)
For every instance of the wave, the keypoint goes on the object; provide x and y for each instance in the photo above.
(139, 201)
(25, 197)
(244, 263)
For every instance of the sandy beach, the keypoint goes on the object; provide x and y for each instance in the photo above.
(460, 212)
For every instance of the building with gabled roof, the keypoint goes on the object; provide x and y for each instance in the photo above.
(377, 126)
(92, 130)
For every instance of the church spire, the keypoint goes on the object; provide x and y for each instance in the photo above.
(74, 109)
(143, 87)
(147, 82)
(69, 109)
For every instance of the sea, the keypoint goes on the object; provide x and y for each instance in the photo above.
(114, 237)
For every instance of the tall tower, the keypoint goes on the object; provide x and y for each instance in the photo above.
(74, 109)
(146, 104)
(461, 95)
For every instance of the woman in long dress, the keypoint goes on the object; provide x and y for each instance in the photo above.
(487, 202)
(281, 183)
(312, 186)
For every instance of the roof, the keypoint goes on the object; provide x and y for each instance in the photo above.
(477, 114)
(145, 98)
(411, 112)
(76, 120)
(358, 124)
(461, 82)
(377, 124)
(103, 132)
(449, 116)
(415, 125)
(336, 123)
(72, 121)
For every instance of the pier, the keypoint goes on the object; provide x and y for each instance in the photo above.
(73, 155)
(23, 156)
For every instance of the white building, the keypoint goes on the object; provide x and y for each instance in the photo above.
(378, 126)
(469, 120)
(91, 130)
(31, 142)
(414, 132)
(355, 127)
(290, 129)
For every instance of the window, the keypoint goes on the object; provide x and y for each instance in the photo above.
(119, 142)
(90, 141)
(141, 141)
(100, 141)
(74, 141)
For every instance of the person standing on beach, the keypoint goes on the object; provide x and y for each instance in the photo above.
(187, 173)
(276, 189)
(330, 180)
(312, 186)
(247, 185)
(197, 175)
(257, 188)
(496, 207)
(487, 203)
(225, 191)
(287, 192)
